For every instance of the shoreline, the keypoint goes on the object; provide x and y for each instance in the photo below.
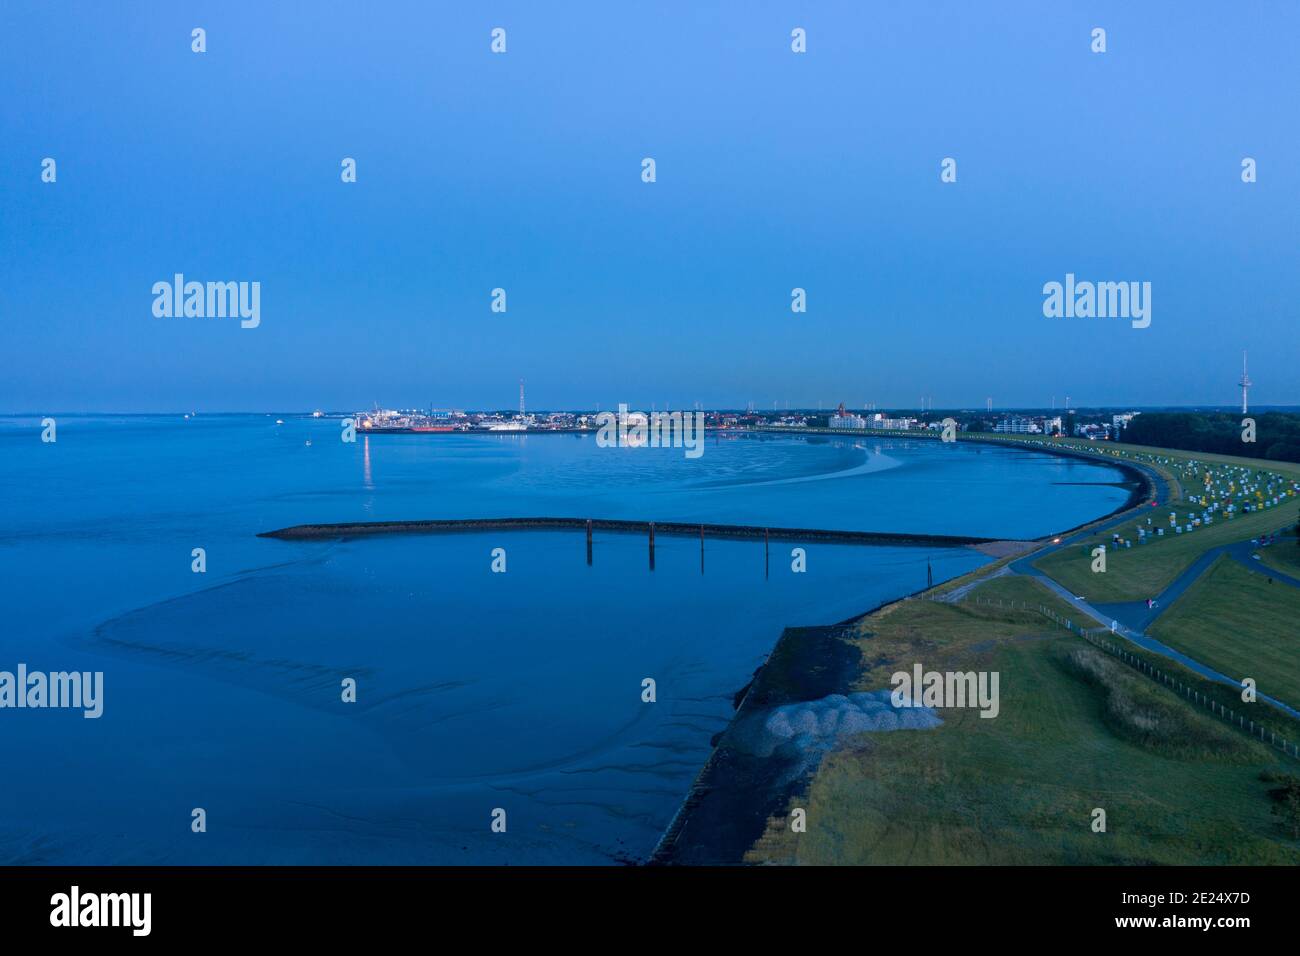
(1142, 488)
(1137, 473)
(731, 799)
(734, 795)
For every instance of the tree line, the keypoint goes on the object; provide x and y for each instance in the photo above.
(1277, 434)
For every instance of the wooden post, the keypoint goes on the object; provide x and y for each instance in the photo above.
(766, 553)
(588, 541)
(652, 545)
(701, 549)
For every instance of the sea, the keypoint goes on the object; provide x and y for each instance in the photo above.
(394, 699)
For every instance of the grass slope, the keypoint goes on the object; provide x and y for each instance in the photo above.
(1073, 735)
(1136, 573)
(1236, 622)
(1283, 556)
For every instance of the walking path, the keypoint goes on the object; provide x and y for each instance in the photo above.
(1138, 616)
(1131, 619)
(959, 593)
(1151, 644)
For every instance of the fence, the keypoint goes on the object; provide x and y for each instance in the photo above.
(1094, 637)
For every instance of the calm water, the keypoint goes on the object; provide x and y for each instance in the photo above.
(476, 691)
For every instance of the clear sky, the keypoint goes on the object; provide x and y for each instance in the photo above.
(775, 170)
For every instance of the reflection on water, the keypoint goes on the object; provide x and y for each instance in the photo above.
(475, 689)
(367, 481)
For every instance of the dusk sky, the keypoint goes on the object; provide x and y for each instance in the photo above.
(522, 170)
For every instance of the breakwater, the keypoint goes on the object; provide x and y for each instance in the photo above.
(350, 529)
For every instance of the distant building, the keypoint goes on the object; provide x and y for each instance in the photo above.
(901, 424)
(1016, 425)
(895, 424)
(1120, 422)
(847, 421)
(843, 419)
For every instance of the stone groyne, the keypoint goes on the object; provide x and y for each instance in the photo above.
(674, 528)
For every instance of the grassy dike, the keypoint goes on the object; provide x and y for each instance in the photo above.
(1077, 731)
(1139, 572)
(1283, 556)
(1232, 619)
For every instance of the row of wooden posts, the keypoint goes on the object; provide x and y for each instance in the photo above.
(767, 550)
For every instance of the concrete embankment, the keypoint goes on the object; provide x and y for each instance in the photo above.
(676, 528)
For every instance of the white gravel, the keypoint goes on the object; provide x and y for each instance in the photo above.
(817, 725)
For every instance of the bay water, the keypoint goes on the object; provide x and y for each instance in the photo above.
(477, 693)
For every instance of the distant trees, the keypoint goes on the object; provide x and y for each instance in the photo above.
(1277, 433)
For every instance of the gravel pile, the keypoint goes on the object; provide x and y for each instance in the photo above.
(817, 725)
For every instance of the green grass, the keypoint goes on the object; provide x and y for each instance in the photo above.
(1137, 573)
(1141, 711)
(1283, 555)
(1281, 725)
(1178, 787)
(1011, 589)
(1149, 455)
(1077, 730)
(1288, 468)
(941, 634)
(1233, 620)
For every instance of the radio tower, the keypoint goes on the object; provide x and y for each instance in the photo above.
(1245, 382)
(521, 398)
(989, 403)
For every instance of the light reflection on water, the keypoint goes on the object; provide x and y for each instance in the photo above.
(476, 690)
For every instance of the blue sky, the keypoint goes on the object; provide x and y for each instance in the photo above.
(522, 171)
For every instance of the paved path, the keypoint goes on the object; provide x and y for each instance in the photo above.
(1142, 640)
(958, 594)
(1025, 565)
(1242, 554)
(1131, 619)
(1138, 616)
